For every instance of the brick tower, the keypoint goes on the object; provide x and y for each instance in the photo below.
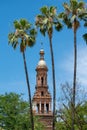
(42, 98)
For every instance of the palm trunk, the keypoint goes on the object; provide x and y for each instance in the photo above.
(54, 85)
(74, 79)
(29, 93)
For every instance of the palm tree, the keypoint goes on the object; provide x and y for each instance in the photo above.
(45, 22)
(23, 35)
(74, 12)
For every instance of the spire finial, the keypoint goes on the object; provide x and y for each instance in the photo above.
(41, 51)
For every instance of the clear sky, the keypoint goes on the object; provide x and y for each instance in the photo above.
(12, 76)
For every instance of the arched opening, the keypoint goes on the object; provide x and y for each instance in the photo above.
(42, 81)
(47, 108)
(42, 93)
(38, 80)
(37, 108)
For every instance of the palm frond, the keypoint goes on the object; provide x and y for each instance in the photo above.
(58, 26)
(83, 16)
(24, 24)
(52, 10)
(33, 32)
(44, 10)
(85, 24)
(17, 24)
(39, 20)
(85, 37)
(61, 15)
(31, 41)
(45, 20)
(13, 40)
(73, 18)
(73, 4)
(66, 7)
(67, 21)
(24, 35)
(81, 5)
(43, 30)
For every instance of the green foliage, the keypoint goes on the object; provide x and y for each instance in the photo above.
(64, 113)
(47, 20)
(66, 20)
(22, 24)
(61, 126)
(38, 124)
(85, 37)
(44, 10)
(74, 12)
(13, 40)
(58, 26)
(23, 34)
(14, 113)
(85, 24)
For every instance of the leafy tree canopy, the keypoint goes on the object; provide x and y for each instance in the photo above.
(14, 113)
(64, 113)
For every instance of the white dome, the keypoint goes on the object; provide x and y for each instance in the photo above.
(41, 63)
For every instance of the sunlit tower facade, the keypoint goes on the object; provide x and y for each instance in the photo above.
(42, 98)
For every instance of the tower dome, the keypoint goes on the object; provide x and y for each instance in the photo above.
(41, 63)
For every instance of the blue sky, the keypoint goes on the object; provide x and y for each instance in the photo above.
(12, 76)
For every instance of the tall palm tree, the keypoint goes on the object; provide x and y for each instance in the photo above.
(46, 21)
(74, 12)
(23, 35)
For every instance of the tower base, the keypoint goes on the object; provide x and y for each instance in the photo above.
(46, 120)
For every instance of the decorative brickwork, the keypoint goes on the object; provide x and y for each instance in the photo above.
(42, 98)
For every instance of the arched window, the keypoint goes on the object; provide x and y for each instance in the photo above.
(47, 108)
(37, 109)
(42, 81)
(42, 93)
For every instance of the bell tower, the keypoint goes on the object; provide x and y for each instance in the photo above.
(42, 98)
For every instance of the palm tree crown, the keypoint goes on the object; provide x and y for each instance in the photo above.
(47, 20)
(23, 35)
(74, 12)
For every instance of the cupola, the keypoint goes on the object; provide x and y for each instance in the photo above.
(41, 63)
